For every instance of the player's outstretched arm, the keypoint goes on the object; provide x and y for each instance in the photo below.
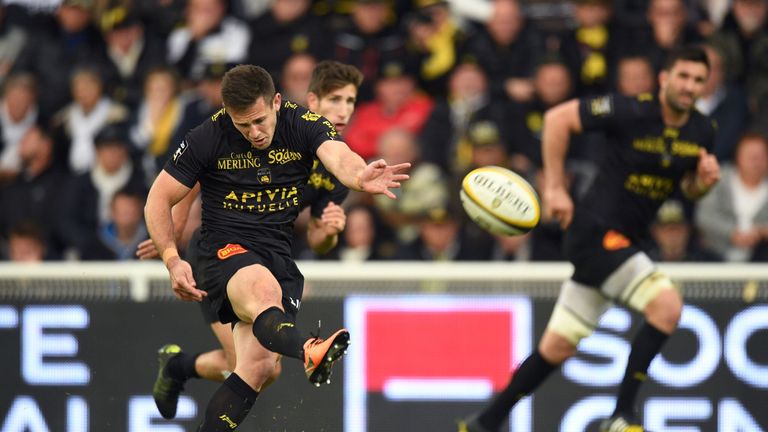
(560, 122)
(323, 232)
(166, 191)
(374, 178)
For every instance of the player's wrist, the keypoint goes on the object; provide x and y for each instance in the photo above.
(169, 255)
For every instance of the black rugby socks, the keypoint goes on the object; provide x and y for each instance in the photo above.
(646, 345)
(278, 334)
(181, 367)
(532, 372)
(229, 405)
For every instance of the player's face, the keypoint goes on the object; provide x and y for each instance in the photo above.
(257, 123)
(337, 106)
(683, 84)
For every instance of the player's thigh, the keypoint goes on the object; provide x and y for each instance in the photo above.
(637, 282)
(223, 333)
(255, 364)
(252, 290)
(577, 311)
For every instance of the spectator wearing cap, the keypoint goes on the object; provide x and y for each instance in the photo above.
(468, 100)
(208, 35)
(18, 113)
(205, 100)
(672, 234)
(488, 147)
(287, 29)
(367, 39)
(733, 218)
(131, 53)
(38, 194)
(53, 56)
(507, 48)
(590, 50)
(398, 104)
(90, 197)
(443, 237)
(76, 125)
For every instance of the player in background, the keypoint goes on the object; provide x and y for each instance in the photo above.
(252, 159)
(332, 94)
(655, 145)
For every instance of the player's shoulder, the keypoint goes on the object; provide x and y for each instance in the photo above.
(703, 121)
(622, 106)
(213, 127)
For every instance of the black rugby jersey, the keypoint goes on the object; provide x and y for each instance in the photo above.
(644, 159)
(248, 194)
(322, 188)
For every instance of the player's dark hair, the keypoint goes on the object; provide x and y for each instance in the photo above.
(243, 85)
(331, 75)
(692, 53)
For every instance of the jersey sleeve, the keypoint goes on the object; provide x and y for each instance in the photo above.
(316, 129)
(327, 189)
(609, 111)
(189, 159)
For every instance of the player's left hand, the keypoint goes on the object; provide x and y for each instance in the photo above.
(379, 178)
(333, 219)
(708, 169)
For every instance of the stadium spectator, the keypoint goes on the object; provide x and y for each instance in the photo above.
(18, 113)
(672, 234)
(156, 127)
(36, 194)
(26, 243)
(286, 29)
(118, 237)
(726, 103)
(733, 219)
(295, 78)
(398, 104)
(667, 28)
(366, 39)
(208, 35)
(12, 40)
(90, 197)
(468, 100)
(507, 48)
(590, 50)
(205, 100)
(433, 36)
(76, 125)
(364, 238)
(53, 56)
(635, 75)
(744, 38)
(161, 17)
(131, 52)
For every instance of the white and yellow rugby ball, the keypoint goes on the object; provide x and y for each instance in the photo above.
(500, 201)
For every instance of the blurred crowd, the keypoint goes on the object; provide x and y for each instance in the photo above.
(96, 93)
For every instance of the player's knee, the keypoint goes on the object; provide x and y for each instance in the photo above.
(575, 317)
(556, 348)
(257, 372)
(664, 310)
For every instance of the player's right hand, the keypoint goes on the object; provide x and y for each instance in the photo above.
(147, 250)
(183, 284)
(558, 205)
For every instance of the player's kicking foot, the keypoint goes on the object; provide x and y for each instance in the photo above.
(319, 356)
(166, 389)
(470, 424)
(621, 423)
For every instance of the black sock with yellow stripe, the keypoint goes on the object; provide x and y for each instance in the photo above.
(646, 345)
(278, 334)
(229, 405)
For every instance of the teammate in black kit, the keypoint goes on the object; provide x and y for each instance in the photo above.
(332, 94)
(655, 144)
(252, 160)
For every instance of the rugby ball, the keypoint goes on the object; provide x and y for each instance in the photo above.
(500, 201)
